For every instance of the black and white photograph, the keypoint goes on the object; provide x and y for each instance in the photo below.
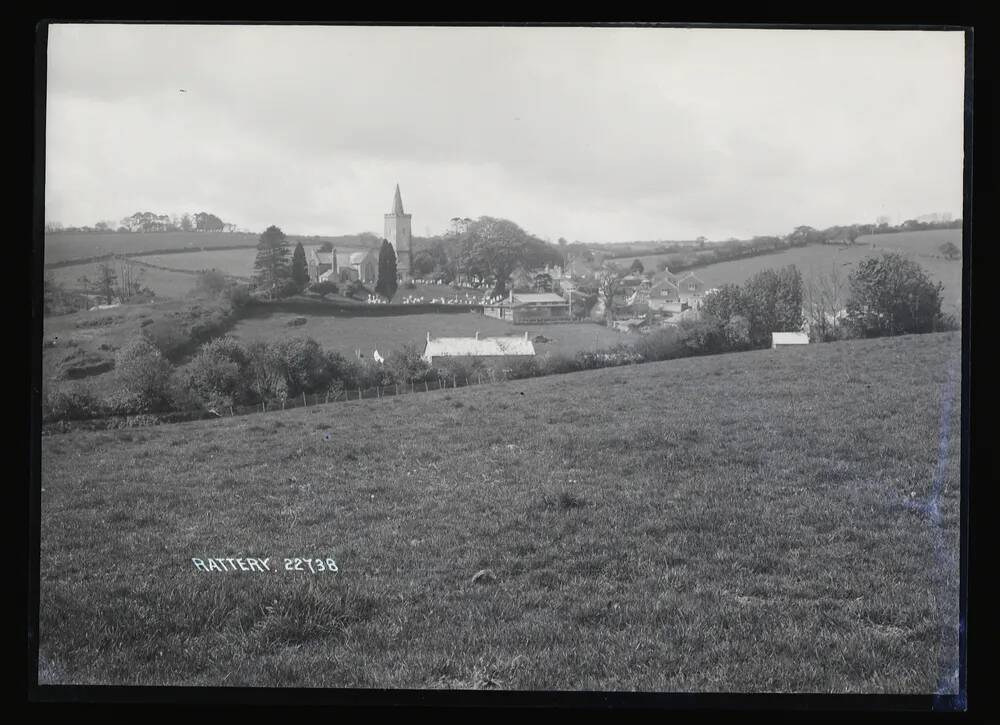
(521, 358)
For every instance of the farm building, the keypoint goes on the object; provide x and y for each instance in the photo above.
(783, 339)
(535, 308)
(483, 349)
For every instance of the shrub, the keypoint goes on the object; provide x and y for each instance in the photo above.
(324, 288)
(239, 296)
(407, 365)
(286, 288)
(76, 403)
(737, 333)
(701, 337)
(143, 376)
(661, 344)
(556, 363)
(523, 368)
(210, 283)
(892, 295)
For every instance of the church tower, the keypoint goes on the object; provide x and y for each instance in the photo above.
(397, 231)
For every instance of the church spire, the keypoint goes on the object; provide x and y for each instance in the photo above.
(397, 202)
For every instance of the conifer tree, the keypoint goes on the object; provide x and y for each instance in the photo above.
(271, 267)
(387, 275)
(300, 270)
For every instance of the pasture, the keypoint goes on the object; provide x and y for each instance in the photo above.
(753, 522)
(162, 283)
(391, 332)
(818, 259)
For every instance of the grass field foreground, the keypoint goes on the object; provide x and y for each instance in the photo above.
(767, 521)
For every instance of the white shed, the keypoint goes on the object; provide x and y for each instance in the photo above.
(780, 339)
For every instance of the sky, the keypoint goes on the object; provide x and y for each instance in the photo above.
(591, 134)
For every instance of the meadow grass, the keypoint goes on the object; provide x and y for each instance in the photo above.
(782, 521)
(391, 332)
(814, 259)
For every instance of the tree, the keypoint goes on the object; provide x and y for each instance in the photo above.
(543, 282)
(607, 287)
(143, 375)
(637, 267)
(326, 247)
(300, 270)
(950, 250)
(205, 222)
(492, 248)
(105, 285)
(773, 303)
(701, 242)
(388, 277)
(186, 224)
(892, 295)
(271, 266)
(824, 295)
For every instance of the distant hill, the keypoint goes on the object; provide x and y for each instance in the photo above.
(68, 246)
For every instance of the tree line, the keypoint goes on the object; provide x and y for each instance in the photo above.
(149, 222)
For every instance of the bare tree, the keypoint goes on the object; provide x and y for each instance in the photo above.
(607, 286)
(824, 299)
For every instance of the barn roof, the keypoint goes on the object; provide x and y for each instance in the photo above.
(539, 297)
(478, 346)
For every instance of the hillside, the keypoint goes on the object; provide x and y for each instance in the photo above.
(818, 258)
(66, 246)
(746, 522)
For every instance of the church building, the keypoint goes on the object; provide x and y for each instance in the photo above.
(397, 231)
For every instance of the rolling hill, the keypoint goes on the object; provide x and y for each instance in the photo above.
(782, 521)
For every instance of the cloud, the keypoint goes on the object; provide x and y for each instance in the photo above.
(592, 134)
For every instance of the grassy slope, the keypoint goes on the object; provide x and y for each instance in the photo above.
(163, 283)
(735, 523)
(922, 246)
(346, 334)
(65, 246)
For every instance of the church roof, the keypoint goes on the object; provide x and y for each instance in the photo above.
(397, 203)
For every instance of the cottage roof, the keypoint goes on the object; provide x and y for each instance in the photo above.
(478, 346)
(664, 285)
(789, 338)
(358, 257)
(323, 257)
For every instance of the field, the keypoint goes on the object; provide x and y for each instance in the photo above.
(922, 246)
(65, 246)
(764, 521)
(236, 262)
(68, 245)
(385, 334)
(162, 283)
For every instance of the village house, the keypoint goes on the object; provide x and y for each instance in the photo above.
(665, 296)
(691, 287)
(482, 349)
(531, 308)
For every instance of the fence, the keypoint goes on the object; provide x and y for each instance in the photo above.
(305, 400)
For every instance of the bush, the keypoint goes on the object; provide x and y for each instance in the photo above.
(661, 344)
(523, 368)
(556, 363)
(210, 283)
(354, 288)
(701, 337)
(407, 365)
(76, 403)
(239, 296)
(892, 295)
(285, 288)
(143, 377)
(324, 288)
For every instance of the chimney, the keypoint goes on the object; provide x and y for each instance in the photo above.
(428, 336)
(511, 298)
(525, 335)
(477, 334)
